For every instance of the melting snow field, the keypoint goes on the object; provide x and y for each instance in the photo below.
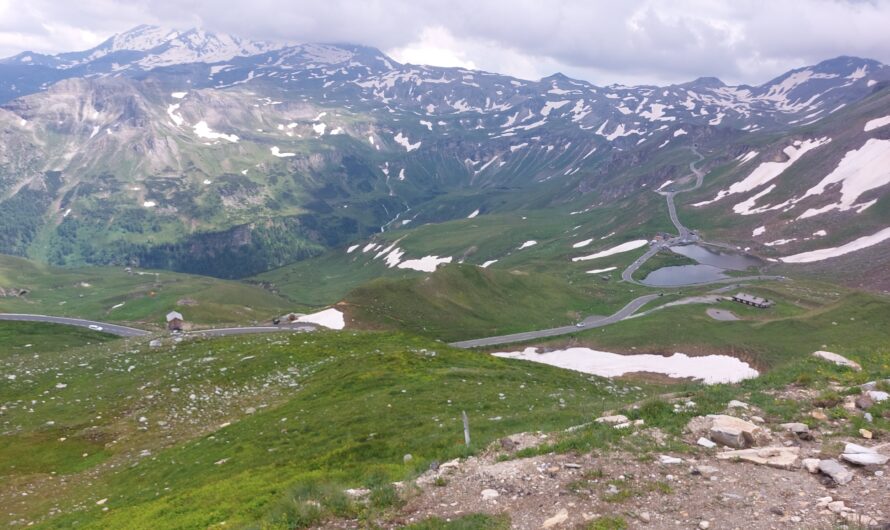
(852, 246)
(860, 170)
(876, 123)
(203, 130)
(598, 271)
(710, 369)
(768, 171)
(424, 264)
(402, 140)
(527, 244)
(581, 244)
(623, 247)
(277, 152)
(329, 318)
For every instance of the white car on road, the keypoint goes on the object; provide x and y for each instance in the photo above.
(95, 327)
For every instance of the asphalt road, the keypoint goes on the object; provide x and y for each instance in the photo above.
(113, 329)
(125, 331)
(223, 332)
(589, 322)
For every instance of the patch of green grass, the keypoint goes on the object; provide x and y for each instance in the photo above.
(36, 337)
(464, 301)
(607, 522)
(144, 297)
(285, 421)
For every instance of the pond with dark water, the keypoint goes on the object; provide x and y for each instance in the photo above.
(712, 264)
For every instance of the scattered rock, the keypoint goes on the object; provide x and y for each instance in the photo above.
(861, 520)
(864, 402)
(778, 457)
(645, 517)
(735, 432)
(705, 471)
(560, 517)
(508, 444)
(736, 404)
(407, 458)
(865, 433)
(877, 395)
(837, 507)
(839, 360)
(819, 415)
(863, 456)
(704, 442)
(357, 493)
(704, 525)
(801, 430)
(612, 420)
(811, 464)
(729, 437)
(836, 471)
(490, 494)
(154, 343)
(665, 459)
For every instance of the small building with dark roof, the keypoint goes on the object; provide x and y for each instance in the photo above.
(751, 300)
(174, 321)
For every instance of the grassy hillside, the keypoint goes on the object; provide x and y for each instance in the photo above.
(146, 296)
(22, 338)
(809, 316)
(464, 301)
(494, 238)
(245, 430)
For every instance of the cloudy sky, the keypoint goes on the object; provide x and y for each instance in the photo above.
(627, 41)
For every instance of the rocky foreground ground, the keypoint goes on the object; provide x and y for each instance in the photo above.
(737, 471)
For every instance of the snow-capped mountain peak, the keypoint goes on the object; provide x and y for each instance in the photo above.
(166, 47)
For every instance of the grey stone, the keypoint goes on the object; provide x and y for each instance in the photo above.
(866, 459)
(836, 471)
(729, 437)
(864, 402)
(811, 464)
(877, 395)
(704, 442)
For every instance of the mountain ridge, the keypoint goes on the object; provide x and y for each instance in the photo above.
(307, 147)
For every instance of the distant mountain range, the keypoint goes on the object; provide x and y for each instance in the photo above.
(208, 153)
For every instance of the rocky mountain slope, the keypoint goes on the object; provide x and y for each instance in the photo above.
(207, 153)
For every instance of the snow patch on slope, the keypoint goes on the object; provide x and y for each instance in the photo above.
(768, 171)
(329, 318)
(711, 369)
(826, 253)
(623, 247)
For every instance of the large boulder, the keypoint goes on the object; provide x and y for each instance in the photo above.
(839, 360)
(863, 456)
(778, 457)
(729, 431)
(836, 471)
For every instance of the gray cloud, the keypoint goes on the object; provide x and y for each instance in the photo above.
(631, 41)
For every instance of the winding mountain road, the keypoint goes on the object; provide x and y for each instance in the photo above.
(589, 322)
(113, 329)
(128, 332)
(685, 236)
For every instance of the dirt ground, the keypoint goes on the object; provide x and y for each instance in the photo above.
(568, 491)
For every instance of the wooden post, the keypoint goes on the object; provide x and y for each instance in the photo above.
(466, 429)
